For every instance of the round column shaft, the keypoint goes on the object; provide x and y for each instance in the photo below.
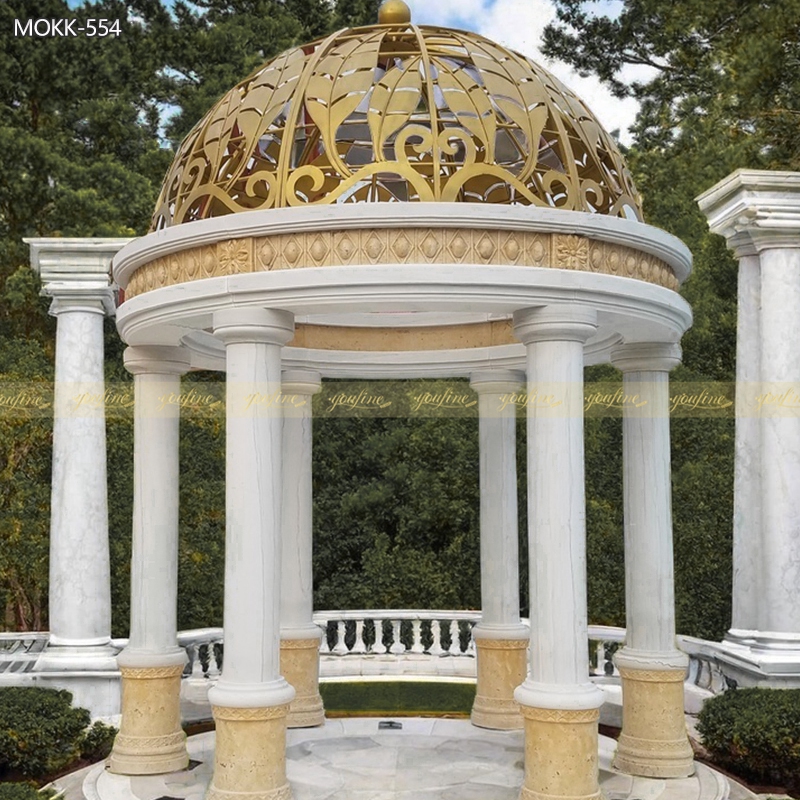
(151, 740)
(654, 742)
(780, 449)
(747, 593)
(251, 700)
(559, 704)
(500, 639)
(300, 637)
(80, 578)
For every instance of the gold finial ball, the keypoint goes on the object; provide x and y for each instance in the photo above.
(394, 12)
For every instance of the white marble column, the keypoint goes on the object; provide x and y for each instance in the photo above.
(758, 212)
(558, 702)
(251, 700)
(500, 638)
(654, 741)
(779, 620)
(151, 739)
(300, 637)
(747, 594)
(75, 273)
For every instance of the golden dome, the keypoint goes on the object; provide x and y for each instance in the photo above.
(396, 112)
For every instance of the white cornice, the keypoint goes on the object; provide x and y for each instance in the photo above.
(83, 261)
(755, 210)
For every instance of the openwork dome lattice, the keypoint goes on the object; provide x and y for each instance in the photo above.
(397, 112)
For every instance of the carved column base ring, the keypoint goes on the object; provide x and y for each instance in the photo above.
(654, 742)
(502, 666)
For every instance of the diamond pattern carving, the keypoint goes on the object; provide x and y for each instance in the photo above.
(409, 245)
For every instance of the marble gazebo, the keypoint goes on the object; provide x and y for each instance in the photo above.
(403, 201)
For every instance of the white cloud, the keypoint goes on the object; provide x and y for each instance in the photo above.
(518, 25)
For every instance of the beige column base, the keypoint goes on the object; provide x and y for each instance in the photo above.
(150, 740)
(300, 668)
(654, 742)
(560, 754)
(502, 666)
(250, 755)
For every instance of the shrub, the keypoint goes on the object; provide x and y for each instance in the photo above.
(40, 731)
(97, 742)
(755, 733)
(24, 791)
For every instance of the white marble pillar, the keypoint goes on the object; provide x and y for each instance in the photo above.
(500, 638)
(558, 702)
(779, 620)
(75, 273)
(300, 637)
(654, 741)
(251, 700)
(747, 595)
(758, 212)
(151, 739)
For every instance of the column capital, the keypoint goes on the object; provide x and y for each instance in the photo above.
(300, 381)
(85, 296)
(563, 323)
(646, 356)
(755, 210)
(76, 269)
(156, 360)
(253, 325)
(490, 381)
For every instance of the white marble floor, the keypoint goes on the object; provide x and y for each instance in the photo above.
(427, 759)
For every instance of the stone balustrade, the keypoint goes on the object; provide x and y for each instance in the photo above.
(436, 638)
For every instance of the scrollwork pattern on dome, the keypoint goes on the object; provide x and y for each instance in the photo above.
(396, 113)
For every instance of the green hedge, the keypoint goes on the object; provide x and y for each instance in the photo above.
(41, 733)
(401, 698)
(24, 791)
(755, 733)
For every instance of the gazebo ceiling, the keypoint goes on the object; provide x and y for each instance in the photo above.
(396, 112)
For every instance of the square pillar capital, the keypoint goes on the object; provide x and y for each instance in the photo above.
(754, 210)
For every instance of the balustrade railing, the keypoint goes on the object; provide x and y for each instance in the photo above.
(19, 651)
(386, 635)
(395, 632)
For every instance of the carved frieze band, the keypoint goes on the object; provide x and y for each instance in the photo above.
(559, 715)
(249, 714)
(281, 793)
(501, 644)
(399, 246)
(300, 644)
(653, 675)
(150, 673)
(126, 744)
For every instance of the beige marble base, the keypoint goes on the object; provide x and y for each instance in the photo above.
(250, 755)
(502, 666)
(560, 755)
(150, 739)
(654, 742)
(300, 668)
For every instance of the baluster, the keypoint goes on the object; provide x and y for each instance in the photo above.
(397, 648)
(436, 632)
(416, 643)
(359, 648)
(379, 647)
(340, 648)
(599, 661)
(198, 673)
(323, 642)
(455, 639)
(470, 642)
